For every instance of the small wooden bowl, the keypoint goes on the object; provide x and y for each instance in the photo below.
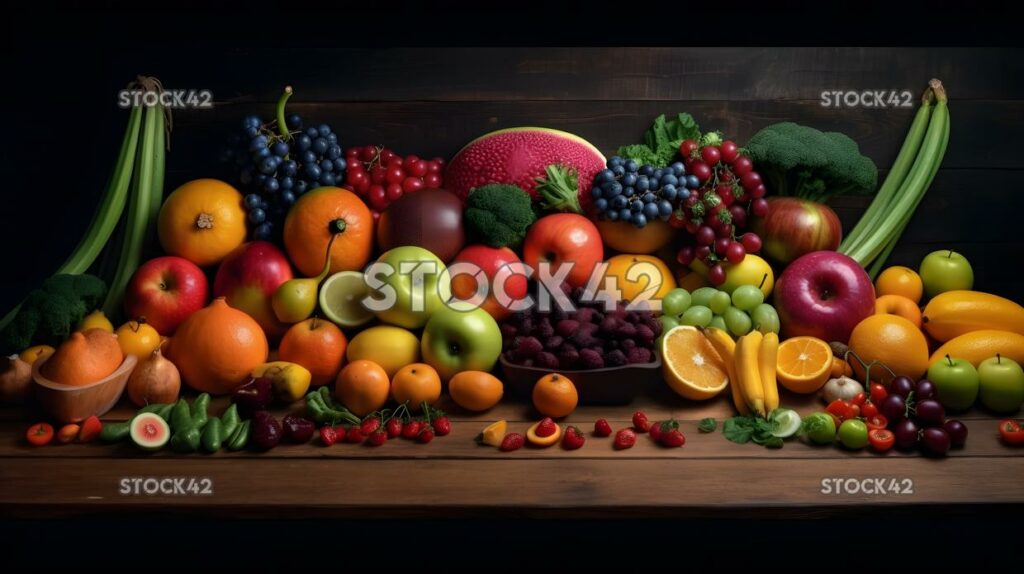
(608, 386)
(71, 403)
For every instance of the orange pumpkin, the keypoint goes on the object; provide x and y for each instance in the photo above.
(84, 358)
(316, 217)
(216, 348)
(202, 221)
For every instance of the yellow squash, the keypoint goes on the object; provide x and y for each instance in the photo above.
(977, 346)
(955, 313)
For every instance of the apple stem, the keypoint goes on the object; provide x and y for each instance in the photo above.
(763, 279)
(950, 256)
(950, 359)
(999, 359)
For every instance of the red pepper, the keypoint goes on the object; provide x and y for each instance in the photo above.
(1011, 432)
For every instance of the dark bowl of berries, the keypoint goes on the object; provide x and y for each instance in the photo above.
(607, 353)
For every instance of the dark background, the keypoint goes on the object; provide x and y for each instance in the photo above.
(431, 101)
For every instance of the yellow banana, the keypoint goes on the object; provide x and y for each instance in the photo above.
(726, 349)
(767, 359)
(747, 372)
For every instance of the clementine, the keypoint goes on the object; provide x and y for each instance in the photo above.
(475, 390)
(900, 306)
(202, 221)
(643, 276)
(316, 217)
(317, 345)
(897, 280)
(363, 387)
(416, 383)
(555, 396)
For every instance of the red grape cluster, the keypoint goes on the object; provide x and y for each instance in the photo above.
(716, 214)
(589, 337)
(380, 176)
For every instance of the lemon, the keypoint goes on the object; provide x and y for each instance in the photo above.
(341, 296)
(96, 320)
(493, 434)
(388, 346)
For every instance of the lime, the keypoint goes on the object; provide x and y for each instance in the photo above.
(341, 298)
(785, 422)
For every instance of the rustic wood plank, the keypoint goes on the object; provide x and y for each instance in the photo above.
(259, 487)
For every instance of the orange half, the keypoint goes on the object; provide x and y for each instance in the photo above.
(804, 364)
(692, 367)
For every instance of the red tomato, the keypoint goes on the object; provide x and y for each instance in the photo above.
(843, 410)
(878, 393)
(859, 399)
(39, 434)
(881, 439)
(876, 422)
(564, 238)
(868, 409)
(1011, 432)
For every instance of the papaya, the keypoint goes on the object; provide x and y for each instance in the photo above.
(955, 313)
(977, 346)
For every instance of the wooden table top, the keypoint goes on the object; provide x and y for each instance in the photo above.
(453, 476)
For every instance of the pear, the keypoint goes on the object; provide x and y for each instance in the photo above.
(295, 299)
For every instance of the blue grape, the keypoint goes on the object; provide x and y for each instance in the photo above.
(639, 219)
(257, 143)
(601, 204)
(289, 167)
(271, 185)
(678, 168)
(287, 182)
(615, 188)
(612, 215)
(251, 122)
(648, 198)
(257, 216)
(664, 207)
(320, 145)
(636, 205)
(596, 192)
(628, 191)
(313, 171)
(629, 179)
(668, 192)
(308, 157)
(683, 195)
(631, 166)
(280, 149)
(657, 174)
(263, 231)
(642, 183)
(268, 166)
(294, 122)
(647, 170)
(340, 164)
(669, 179)
(327, 165)
(252, 132)
(692, 182)
(303, 142)
(618, 170)
(258, 156)
(327, 178)
(312, 133)
(614, 161)
(324, 130)
(251, 201)
(650, 210)
(332, 138)
(625, 214)
(287, 197)
(300, 187)
(619, 202)
(604, 175)
(334, 151)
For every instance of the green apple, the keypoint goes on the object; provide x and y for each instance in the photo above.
(455, 340)
(406, 286)
(956, 381)
(947, 270)
(1002, 384)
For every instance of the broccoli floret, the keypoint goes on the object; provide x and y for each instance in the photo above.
(498, 215)
(801, 161)
(48, 314)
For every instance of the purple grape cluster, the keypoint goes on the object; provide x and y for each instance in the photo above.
(584, 339)
(917, 418)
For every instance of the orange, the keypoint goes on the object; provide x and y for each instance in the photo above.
(643, 276)
(494, 434)
(137, 338)
(902, 281)
(416, 383)
(691, 365)
(627, 238)
(319, 214)
(555, 396)
(900, 306)
(363, 387)
(317, 345)
(893, 341)
(202, 221)
(84, 358)
(840, 368)
(475, 390)
(804, 364)
(32, 354)
(217, 348)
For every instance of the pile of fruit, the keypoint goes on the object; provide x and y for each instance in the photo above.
(384, 282)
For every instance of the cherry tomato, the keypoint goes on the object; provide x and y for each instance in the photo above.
(859, 399)
(881, 439)
(868, 409)
(728, 149)
(687, 148)
(876, 422)
(878, 393)
(39, 434)
(843, 410)
(1010, 431)
(711, 155)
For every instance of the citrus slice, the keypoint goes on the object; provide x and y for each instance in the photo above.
(785, 422)
(804, 364)
(692, 367)
(537, 440)
(341, 296)
(493, 434)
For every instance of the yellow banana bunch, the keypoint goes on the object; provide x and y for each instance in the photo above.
(726, 349)
(751, 365)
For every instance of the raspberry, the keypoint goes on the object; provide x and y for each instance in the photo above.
(567, 327)
(553, 342)
(627, 345)
(615, 358)
(568, 358)
(544, 328)
(591, 359)
(645, 335)
(609, 325)
(528, 347)
(639, 355)
(546, 359)
(586, 315)
(508, 331)
(626, 330)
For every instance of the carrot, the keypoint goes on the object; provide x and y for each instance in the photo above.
(67, 433)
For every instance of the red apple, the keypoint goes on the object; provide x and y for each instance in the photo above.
(490, 260)
(248, 277)
(564, 238)
(165, 291)
(795, 227)
(823, 294)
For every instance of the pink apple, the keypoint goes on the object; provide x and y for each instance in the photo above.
(165, 291)
(795, 227)
(490, 261)
(248, 277)
(823, 294)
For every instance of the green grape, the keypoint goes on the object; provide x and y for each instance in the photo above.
(738, 321)
(718, 322)
(668, 323)
(747, 297)
(675, 302)
(703, 296)
(720, 302)
(765, 318)
(697, 316)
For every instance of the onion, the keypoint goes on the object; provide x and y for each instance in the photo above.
(841, 388)
(16, 380)
(155, 380)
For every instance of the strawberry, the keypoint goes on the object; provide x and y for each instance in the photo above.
(546, 427)
(411, 429)
(672, 438)
(426, 434)
(355, 435)
(442, 426)
(328, 435)
(91, 428)
(573, 438)
(640, 422)
(370, 424)
(394, 427)
(602, 428)
(512, 441)
(377, 437)
(655, 431)
(624, 439)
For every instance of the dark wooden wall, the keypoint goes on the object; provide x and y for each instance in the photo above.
(432, 101)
